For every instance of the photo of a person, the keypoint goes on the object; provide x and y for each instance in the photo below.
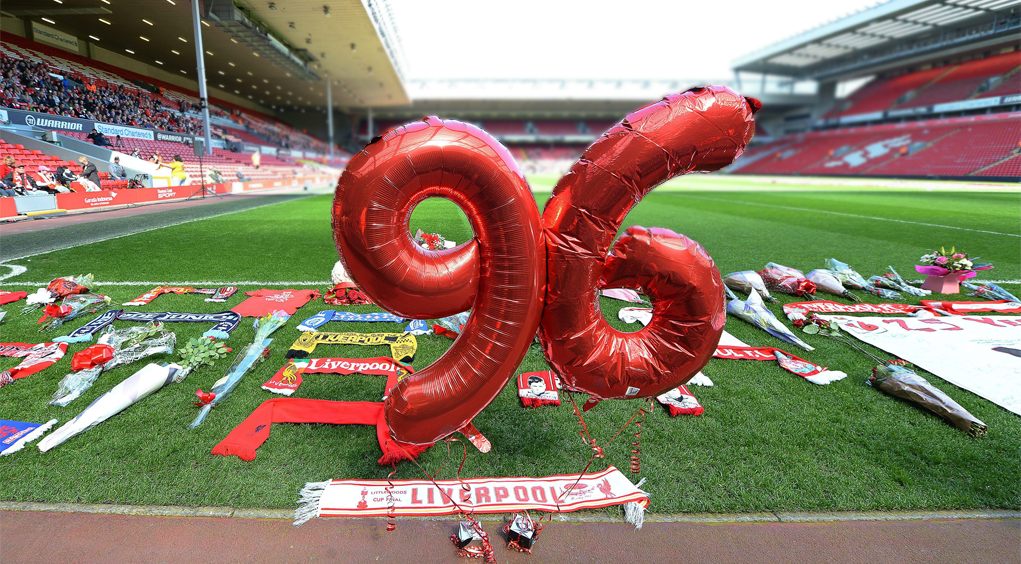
(538, 389)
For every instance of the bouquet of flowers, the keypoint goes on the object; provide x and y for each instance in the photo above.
(114, 348)
(812, 323)
(257, 351)
(431, 241)
(900, 284)
(74, 305)
(847, 276)
(943, 262)
(199, 352)
(899, 381)
(747, 280)
(827, 281)
(787, 280)
(754, 311)
(989, 291)
(346, 293)
(60, 288)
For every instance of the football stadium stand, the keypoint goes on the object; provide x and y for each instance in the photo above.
(986, 145)
(142, 120)
(43, 79)
(938, 94)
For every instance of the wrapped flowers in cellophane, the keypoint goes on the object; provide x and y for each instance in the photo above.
(826, 281)
(787, 280)
(847, 276)
(901, 382)
(73, 306)
(902, 285)
(754, 311)
(745, 281)
(989, 291)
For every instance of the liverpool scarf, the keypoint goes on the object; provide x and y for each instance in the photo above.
(323, 317)
(243, 441)
(34, 358)
(402, 345)
(415, 498)
(287, 380)
(216, 295)
(798, 366)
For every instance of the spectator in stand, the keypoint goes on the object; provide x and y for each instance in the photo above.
(156, 159)
(5, 190)
(177, 173)
(256, 160)
(89, 176)
(117, 171)
(20, 181)
(119, 142)
(64, 176)
(98, 139)
(31, 86)
(7, 166)
(136, 153)
(49, 183)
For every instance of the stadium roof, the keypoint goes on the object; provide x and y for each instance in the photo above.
(281, 56)
(862, 41)
(543, 98)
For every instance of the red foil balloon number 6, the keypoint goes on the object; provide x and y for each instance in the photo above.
(502, 273)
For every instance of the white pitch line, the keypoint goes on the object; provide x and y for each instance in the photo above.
(102, 239)
(16, 270)
(874, 218)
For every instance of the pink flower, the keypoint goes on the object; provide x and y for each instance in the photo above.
(958, 256)
(941, 260)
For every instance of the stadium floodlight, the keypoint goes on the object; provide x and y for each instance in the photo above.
(175, 51)
(147, 22)
(107, 22)
(129, 51)
(144, 38)
(159, 62)
(48, 20)
(94, 38)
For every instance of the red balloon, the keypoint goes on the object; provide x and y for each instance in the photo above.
(703, 129)
(500, 274)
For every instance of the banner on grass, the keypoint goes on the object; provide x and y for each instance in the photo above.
(978, 353)
(826, 306)
(562, 493)
(962, 308)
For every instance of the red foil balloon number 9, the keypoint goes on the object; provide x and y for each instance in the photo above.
(502, 273)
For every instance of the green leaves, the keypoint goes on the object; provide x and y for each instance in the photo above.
(202, 351)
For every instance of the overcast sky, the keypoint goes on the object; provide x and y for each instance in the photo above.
(678, 39)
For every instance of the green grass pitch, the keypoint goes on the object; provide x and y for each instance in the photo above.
(767, 442)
